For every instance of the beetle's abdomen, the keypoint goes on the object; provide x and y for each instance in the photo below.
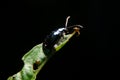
(50, 40)
(53, 38)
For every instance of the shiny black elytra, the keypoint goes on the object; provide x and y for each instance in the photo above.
(55, 36)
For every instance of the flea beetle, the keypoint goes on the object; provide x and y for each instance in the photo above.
(55, 36)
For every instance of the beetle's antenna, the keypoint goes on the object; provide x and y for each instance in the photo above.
(67, 21)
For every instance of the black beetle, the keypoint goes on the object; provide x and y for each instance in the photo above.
(55, 36)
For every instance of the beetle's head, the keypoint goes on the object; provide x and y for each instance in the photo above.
(71, 29)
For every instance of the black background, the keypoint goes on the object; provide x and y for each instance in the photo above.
(95, 53)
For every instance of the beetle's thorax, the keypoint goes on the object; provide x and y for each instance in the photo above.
(60, 30)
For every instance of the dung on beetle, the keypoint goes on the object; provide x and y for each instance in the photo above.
(55, 36)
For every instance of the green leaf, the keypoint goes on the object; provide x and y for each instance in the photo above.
(35, 59)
